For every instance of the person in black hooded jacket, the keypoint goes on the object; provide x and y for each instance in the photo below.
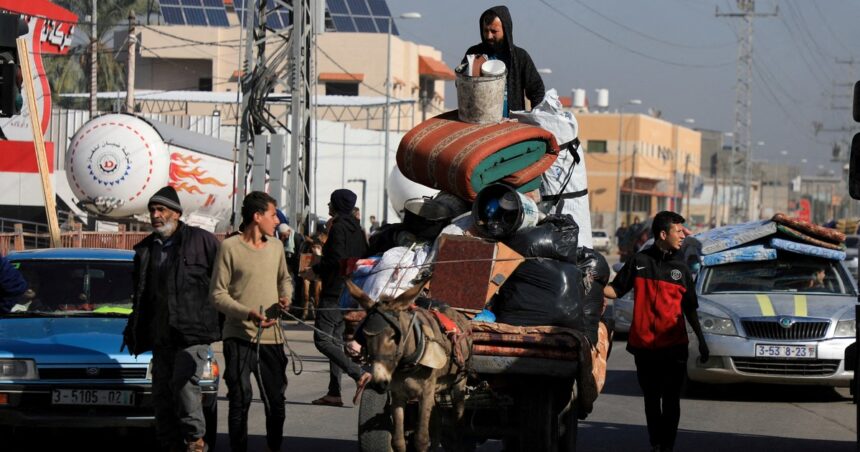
(346, 240)
(497, 42)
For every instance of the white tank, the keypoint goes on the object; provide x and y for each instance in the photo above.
(579, 98)
(401, 189)
(116, 162)
(602, 98)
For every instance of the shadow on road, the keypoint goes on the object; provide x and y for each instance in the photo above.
(595, 436)
(624, 383)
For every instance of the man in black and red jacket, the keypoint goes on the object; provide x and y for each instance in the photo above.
(664, 293)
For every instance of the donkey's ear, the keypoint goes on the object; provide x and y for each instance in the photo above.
(407, 298)
(359, 295)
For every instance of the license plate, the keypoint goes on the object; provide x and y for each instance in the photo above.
(107, 397)
(786, 351)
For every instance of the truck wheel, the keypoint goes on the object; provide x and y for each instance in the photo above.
(374, 422)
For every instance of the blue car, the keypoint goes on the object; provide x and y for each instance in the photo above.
(62, 362)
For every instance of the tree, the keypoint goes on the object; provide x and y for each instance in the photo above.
(71, 73)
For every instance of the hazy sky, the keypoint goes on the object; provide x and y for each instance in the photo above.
(678, 57)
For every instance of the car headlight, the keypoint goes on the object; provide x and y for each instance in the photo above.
(846, 328)
(717, 325)
(149, 370)
(18, 369)
(211, 370)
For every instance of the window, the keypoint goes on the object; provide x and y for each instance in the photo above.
(61, 286)
(204, 84)
(789, 273)
(596, 146)
(341, 89)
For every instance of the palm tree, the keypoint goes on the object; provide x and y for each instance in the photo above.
(70, 73)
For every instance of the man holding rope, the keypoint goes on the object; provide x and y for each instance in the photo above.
(251, 286)
(346, 240)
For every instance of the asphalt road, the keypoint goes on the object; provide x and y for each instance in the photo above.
(737, 417)
(747, 417)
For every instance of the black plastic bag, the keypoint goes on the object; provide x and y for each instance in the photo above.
(554, 238)
(595, 276)
(542, 292)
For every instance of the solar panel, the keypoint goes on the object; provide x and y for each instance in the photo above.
(172, 15)
(358, 7)
(217, 17)
(343, 23)
(365, 24)
(366, 16)
(379, 7)
(201, 13)
(337, 7)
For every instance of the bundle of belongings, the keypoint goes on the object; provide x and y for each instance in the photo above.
(763, 240)
(503, 240)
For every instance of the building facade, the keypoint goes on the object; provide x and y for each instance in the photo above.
(637, 166)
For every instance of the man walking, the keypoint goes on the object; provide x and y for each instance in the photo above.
(664, 293)
(346, 240)
(251, 285)
(172, 317)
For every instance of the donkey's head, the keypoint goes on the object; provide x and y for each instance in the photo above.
(386, 331)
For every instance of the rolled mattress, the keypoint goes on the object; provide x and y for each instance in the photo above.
(462, 158)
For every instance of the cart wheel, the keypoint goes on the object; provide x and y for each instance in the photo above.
(568, 423)
(374, 422)
(538, 422)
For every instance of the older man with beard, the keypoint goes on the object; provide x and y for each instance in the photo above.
(172, 317)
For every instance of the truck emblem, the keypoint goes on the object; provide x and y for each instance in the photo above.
(92, 371)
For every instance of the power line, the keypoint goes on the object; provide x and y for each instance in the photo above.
(633, 51)
(646, 36)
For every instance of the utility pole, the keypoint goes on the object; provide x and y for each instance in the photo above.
(687, 182)
(94, 61)
(743, 101)
(132, 55)
(632, 198)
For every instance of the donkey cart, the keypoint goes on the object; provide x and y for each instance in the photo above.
(522, 389)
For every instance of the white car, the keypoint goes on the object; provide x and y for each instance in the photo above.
(600, 240)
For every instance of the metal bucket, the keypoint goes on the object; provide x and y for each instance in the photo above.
(500, 211)
(480, 100)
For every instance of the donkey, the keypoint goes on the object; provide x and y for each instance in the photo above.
(414, 354)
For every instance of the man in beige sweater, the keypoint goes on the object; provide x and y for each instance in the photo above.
(251, 285)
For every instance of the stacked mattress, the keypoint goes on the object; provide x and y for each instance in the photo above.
(462, 158)
(761, 240)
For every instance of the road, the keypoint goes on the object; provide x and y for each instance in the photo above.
(744, 417)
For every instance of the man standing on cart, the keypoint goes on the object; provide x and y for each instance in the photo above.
(497, 43)
(664, 293)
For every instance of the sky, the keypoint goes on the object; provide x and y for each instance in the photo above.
(679, 57)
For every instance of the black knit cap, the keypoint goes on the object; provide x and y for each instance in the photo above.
(166, 197)
(343, 200)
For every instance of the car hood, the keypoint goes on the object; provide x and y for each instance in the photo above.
(741, 305)
(66, 340)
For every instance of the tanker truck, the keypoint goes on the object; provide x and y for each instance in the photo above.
(116, 162)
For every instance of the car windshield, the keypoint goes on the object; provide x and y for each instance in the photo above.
(68, 287)
(789, 273)
(598, 234)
